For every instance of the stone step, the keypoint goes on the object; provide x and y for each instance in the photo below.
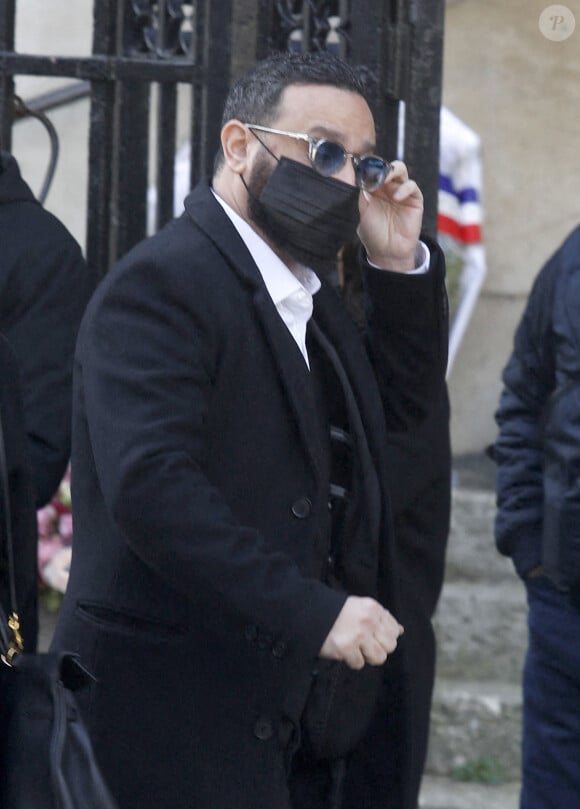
(481, 631)
(444, 793)
(475, 727)
(471, 552)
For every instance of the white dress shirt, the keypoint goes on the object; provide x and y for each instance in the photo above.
(291, 292)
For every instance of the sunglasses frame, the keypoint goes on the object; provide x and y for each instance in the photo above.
(314, 145)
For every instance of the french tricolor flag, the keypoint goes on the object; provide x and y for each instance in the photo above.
(460, 211)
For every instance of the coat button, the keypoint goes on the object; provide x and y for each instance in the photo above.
(279, 649)
(251, 632)
(265, 641)
(263, 729)
(301, 508)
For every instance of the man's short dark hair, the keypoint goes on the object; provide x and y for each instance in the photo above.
(255, 96)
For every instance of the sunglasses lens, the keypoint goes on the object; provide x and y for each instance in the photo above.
(371, 172)
(329, 158)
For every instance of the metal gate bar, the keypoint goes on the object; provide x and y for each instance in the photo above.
(136, 44)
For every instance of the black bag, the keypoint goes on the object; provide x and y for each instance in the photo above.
(339, 708)
(46, 758)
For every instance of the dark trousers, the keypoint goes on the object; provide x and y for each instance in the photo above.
(551, 715)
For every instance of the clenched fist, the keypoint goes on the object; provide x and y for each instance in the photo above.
(364, 632)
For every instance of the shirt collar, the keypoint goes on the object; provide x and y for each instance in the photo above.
(280, 281)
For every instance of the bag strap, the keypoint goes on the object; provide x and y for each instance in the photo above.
(14, 643)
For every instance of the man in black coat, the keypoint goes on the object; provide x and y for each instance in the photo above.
(44, 288)
(232, 577)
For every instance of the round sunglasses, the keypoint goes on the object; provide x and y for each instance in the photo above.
(328, 157)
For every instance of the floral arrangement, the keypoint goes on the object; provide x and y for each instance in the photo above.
(55, 535)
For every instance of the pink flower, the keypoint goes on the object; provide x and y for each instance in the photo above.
(47, 547)
(65, 527)
(55, 534)
(46, 519)
(55, 574)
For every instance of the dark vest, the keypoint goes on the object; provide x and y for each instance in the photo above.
(342, 701)
(353, 488)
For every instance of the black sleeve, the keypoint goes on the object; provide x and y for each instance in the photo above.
(407, 332)
(45, 290)
(528, 380)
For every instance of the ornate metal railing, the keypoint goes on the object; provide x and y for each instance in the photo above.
(136, 44)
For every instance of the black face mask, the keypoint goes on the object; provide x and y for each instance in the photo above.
(306, 214)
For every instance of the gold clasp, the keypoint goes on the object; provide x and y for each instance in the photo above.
(16, 644)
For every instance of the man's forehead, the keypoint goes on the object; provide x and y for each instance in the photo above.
(326, 111)
(305, 91)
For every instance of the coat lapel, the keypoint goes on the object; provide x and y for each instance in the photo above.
(293, 373)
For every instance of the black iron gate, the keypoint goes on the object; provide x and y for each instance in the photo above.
(141, 44)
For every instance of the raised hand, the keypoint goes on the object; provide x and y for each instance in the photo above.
(391, 219)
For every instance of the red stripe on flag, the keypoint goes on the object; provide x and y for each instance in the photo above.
(468, 234)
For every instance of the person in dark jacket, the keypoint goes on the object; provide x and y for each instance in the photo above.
(538, 522)
(44, 288)
(232, 581)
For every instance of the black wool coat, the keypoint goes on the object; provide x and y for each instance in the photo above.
(195, 595)
(44, 287)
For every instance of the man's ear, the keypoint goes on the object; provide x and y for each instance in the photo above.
(234, 138)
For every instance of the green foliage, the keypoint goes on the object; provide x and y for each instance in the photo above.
(50, 599)
(482, 770)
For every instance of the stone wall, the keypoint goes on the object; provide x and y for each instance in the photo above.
(521, 92)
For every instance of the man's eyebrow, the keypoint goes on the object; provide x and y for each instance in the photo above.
(323, 131)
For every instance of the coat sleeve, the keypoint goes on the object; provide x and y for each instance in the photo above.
(528, 380)
(407, 333)
(46, 294)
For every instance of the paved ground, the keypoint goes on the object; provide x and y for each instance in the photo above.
(440, 793)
